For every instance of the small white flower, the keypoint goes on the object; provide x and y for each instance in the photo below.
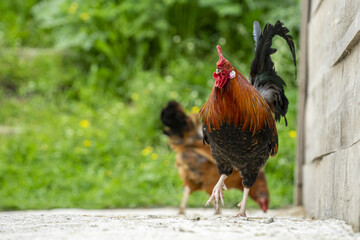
(232, 74)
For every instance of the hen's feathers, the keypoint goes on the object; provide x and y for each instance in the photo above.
(175, 119)
(262, 73)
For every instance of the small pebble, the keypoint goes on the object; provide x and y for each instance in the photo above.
(267, 221)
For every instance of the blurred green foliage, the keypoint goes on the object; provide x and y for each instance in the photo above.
(82, 84)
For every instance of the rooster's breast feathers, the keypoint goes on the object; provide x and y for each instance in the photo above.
(238, 103)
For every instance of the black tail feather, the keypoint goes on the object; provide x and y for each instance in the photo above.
(256, 33)
(262, 73)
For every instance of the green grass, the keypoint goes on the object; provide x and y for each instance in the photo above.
(55, 162)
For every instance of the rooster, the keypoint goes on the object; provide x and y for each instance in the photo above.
(194, 161)
(239, 115)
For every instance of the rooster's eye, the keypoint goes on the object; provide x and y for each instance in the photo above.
(217, 71)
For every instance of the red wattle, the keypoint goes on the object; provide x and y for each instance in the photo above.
(219, 80)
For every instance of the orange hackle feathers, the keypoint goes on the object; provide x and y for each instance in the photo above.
(238, 102)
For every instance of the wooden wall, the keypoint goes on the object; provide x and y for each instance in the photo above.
(329, 108)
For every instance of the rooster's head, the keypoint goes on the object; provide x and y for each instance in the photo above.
(224, 70)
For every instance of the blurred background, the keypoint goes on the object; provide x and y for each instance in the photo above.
(82, 84)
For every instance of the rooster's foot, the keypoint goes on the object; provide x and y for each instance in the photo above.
(217, 193)
(242, 204)
(181, 211)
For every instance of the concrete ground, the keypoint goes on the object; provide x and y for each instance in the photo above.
(164, 224)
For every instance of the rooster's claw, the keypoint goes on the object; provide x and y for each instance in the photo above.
(217, 193)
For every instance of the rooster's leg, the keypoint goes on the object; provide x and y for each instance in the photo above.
(217, 193)
(217, 212)
(184, 200)
(242, 204)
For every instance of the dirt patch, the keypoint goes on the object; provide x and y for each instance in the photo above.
(166, 224)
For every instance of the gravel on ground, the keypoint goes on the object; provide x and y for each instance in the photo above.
(165, 223)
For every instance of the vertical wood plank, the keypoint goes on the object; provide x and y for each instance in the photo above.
(305, 16)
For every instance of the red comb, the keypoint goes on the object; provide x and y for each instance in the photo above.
(222, 60)
(219, 51)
